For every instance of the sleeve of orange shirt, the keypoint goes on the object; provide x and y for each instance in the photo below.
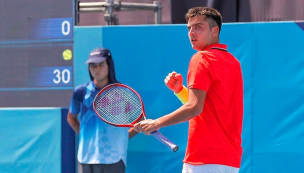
(199, 76)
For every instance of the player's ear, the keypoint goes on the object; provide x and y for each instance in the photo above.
(215, 31)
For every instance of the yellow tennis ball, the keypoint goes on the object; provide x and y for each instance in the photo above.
(67, 54)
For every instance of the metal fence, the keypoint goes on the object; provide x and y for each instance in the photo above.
(109, 6)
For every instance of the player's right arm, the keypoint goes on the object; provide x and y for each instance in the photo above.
(73, 122)
(174, 82)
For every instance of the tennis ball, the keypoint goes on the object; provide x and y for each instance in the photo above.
(67, 54)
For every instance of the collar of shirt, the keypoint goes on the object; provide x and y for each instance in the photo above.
(217, 46)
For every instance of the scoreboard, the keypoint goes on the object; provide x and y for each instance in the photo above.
(36, 53)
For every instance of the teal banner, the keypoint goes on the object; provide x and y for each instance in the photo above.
(30, 140)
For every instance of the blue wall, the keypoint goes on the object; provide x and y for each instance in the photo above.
(271, 55)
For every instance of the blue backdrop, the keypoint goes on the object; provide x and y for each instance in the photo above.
(271, 55)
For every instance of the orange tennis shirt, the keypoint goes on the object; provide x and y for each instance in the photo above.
(215, 134)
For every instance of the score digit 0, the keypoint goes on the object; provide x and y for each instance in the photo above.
(66, 27)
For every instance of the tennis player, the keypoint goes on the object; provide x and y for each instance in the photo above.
(102, 147)
(213, 99)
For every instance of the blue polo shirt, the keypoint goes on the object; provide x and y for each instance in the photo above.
(99, 142)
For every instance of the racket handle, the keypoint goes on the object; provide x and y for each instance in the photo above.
(165, 141)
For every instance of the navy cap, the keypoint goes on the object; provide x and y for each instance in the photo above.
(98, 55)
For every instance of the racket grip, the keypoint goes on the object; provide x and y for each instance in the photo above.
(165, 141)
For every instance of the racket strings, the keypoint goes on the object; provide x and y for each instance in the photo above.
(118, 105)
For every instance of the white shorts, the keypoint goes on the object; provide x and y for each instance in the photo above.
(209, 168)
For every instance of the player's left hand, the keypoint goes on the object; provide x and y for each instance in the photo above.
(146, 126)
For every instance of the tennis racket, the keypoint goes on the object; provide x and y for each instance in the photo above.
(121, 106)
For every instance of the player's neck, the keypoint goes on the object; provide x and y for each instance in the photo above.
(215, 41)
(101, 83)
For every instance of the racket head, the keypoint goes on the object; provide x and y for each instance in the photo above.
(118, 105)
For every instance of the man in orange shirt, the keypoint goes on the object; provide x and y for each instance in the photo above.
(213, 99)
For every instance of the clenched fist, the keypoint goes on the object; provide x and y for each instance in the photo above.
(174, 82)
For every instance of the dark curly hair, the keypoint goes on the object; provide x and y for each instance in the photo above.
(213, 16)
